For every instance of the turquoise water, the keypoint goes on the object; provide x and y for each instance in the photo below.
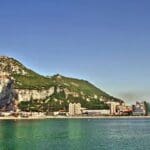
(75, 134)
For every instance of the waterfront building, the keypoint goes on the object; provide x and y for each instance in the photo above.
(75, 109)
(139, 109)
(113, 107)
(71, 109)
(124, 109)
(96, 112)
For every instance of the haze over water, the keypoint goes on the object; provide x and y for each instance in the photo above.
(75, 134)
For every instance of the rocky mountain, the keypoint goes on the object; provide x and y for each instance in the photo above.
(28, 90)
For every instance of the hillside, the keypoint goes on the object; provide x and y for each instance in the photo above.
(31, 88)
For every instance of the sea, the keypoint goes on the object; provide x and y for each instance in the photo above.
(75, 134)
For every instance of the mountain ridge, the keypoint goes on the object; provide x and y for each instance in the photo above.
(29, 85)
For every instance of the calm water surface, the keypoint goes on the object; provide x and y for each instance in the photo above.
(75, 134)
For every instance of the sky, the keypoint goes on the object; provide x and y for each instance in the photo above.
(106, 42)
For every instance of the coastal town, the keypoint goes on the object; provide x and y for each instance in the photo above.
(116, 109)
(76, 110)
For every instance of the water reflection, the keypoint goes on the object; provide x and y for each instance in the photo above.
(74, 134)
(15, 135)
(74, 128)
(8, 135)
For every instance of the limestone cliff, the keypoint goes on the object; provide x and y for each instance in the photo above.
(27, 95)
(7, 93)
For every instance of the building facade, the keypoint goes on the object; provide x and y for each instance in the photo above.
(113, 107)
(97, 112)
(75, 109)
(139, 109)
(124, 110)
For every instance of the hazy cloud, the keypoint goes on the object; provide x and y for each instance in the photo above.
(132, 96)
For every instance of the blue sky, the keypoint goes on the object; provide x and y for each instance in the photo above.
(104, 41)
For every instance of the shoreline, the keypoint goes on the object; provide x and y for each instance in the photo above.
(73, 117)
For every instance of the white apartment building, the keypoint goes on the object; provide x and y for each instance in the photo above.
(75, 109)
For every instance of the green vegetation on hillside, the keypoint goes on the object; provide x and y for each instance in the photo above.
(79, 90)
(81, 86)
(35, 81)
(59, 101)
(32, 82)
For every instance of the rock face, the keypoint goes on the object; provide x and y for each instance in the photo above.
(27, 95)
(9, 65)
(7, 94)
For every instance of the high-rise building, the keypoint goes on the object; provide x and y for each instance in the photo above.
(71, 109)
(113, 107)
(75, 109)
(139, 109)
